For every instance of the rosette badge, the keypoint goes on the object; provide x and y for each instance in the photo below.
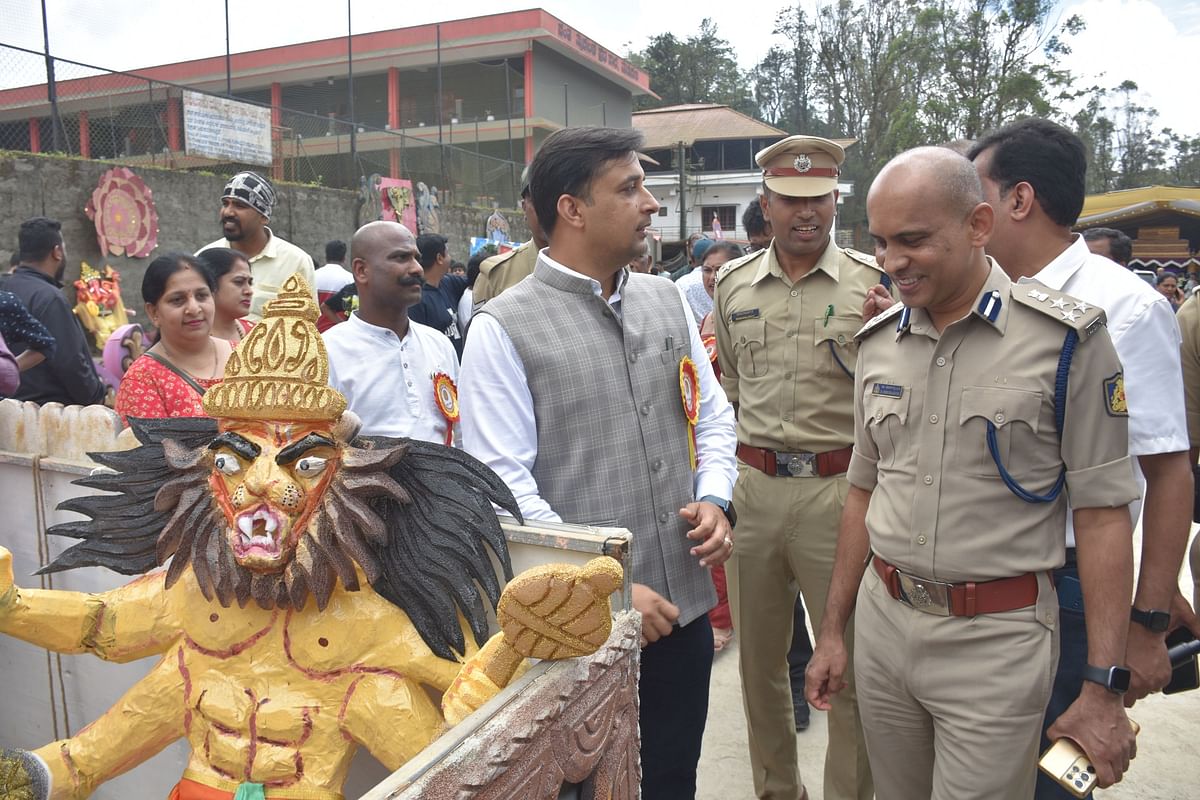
(123, 210)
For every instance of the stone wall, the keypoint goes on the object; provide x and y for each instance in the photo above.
(460, 223)
(187, 205)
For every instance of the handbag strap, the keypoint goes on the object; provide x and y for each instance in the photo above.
(188, 379)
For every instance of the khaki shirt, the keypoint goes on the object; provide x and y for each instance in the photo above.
(939, 507)
(787, 349)
(502, 272)
(1189, 327)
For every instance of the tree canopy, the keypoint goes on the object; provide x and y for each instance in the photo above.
(895, 74)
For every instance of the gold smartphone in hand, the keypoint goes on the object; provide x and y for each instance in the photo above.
(1066, 763)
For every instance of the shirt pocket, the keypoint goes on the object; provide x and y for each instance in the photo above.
(885, 418)
(750, 346)
(1014, 413)
(836, 350)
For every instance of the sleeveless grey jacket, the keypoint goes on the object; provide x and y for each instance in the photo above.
(612, 435)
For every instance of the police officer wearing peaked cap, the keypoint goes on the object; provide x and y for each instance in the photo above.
(785, 323)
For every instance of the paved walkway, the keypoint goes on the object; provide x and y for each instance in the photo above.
(1167, 766)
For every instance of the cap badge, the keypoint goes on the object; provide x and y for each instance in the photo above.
(802, 163)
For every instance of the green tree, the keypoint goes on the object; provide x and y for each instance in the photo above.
(699, 69)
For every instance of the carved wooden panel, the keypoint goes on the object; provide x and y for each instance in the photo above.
(578, 723)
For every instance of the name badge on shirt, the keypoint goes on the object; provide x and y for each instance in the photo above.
(887, 390)
(737, 316)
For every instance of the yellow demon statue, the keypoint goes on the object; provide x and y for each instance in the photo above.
(98, 303)
(322, 590)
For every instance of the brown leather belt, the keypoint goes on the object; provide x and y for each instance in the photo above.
(796, 465)
(958, 599)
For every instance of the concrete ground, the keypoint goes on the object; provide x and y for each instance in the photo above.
(1167, 766)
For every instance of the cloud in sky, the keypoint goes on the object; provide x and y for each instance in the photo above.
(1147, 41)
(1153, 44)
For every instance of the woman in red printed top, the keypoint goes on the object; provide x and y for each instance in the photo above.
(169, 379)
(231, 297)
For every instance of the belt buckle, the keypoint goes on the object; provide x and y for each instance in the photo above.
(798, 465)
(928, 596)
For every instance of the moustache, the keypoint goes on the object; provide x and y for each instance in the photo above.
(410, 281)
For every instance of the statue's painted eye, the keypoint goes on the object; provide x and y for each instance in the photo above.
(310, 466)
(227, 464)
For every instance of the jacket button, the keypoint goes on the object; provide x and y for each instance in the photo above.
(646, 410)
(657, 465)
(664, 517)
(633, 358)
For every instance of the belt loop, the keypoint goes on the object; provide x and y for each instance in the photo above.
(770, 462)
(969, 597)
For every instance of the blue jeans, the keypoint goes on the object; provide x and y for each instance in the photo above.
(673, 695)
(1068, 681)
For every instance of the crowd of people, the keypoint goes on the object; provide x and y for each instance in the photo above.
(941, 449)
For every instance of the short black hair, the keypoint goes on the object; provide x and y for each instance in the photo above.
(722, 246)
(430, 246)
(569, 160)
(335, 251)
(1119, 244)
(753, 221)
(219, 260)
(38, 237)
(474, 263)
(1043, 154)
(154, 282)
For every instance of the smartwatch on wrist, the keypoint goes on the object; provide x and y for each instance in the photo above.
(1115, 679)
(1152, 619)
(726, 507)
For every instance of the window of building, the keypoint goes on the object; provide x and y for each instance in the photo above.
(726, 215)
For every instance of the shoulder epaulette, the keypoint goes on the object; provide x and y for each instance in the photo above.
(730, 266)
(876, 322)
(492, 262)
(1085, 318)
(862, 258)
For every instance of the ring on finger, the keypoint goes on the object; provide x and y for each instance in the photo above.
(728, 542)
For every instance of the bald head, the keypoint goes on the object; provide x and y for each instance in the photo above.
(371, 237)
(938, 175)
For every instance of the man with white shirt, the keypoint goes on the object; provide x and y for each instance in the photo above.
(390, 368)
(588, 390)
(1033, 176)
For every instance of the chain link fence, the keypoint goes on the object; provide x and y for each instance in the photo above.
(138, 121)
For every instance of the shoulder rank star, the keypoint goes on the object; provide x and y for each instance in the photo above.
(1059, 302)
(689, 391)
(445, 394)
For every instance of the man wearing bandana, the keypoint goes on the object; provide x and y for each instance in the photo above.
(246, 207)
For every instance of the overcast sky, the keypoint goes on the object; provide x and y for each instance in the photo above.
(1152, 42)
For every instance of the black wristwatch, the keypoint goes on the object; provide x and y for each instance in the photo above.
(726, 507)
(1115, 679)
(1153, 620)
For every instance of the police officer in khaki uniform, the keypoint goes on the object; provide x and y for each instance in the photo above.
(785, 322)
(979, 404)
(1189, 352)
(506, 270)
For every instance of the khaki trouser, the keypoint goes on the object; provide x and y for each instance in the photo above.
(786, 536)
(952, 706)
(1194, 559)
